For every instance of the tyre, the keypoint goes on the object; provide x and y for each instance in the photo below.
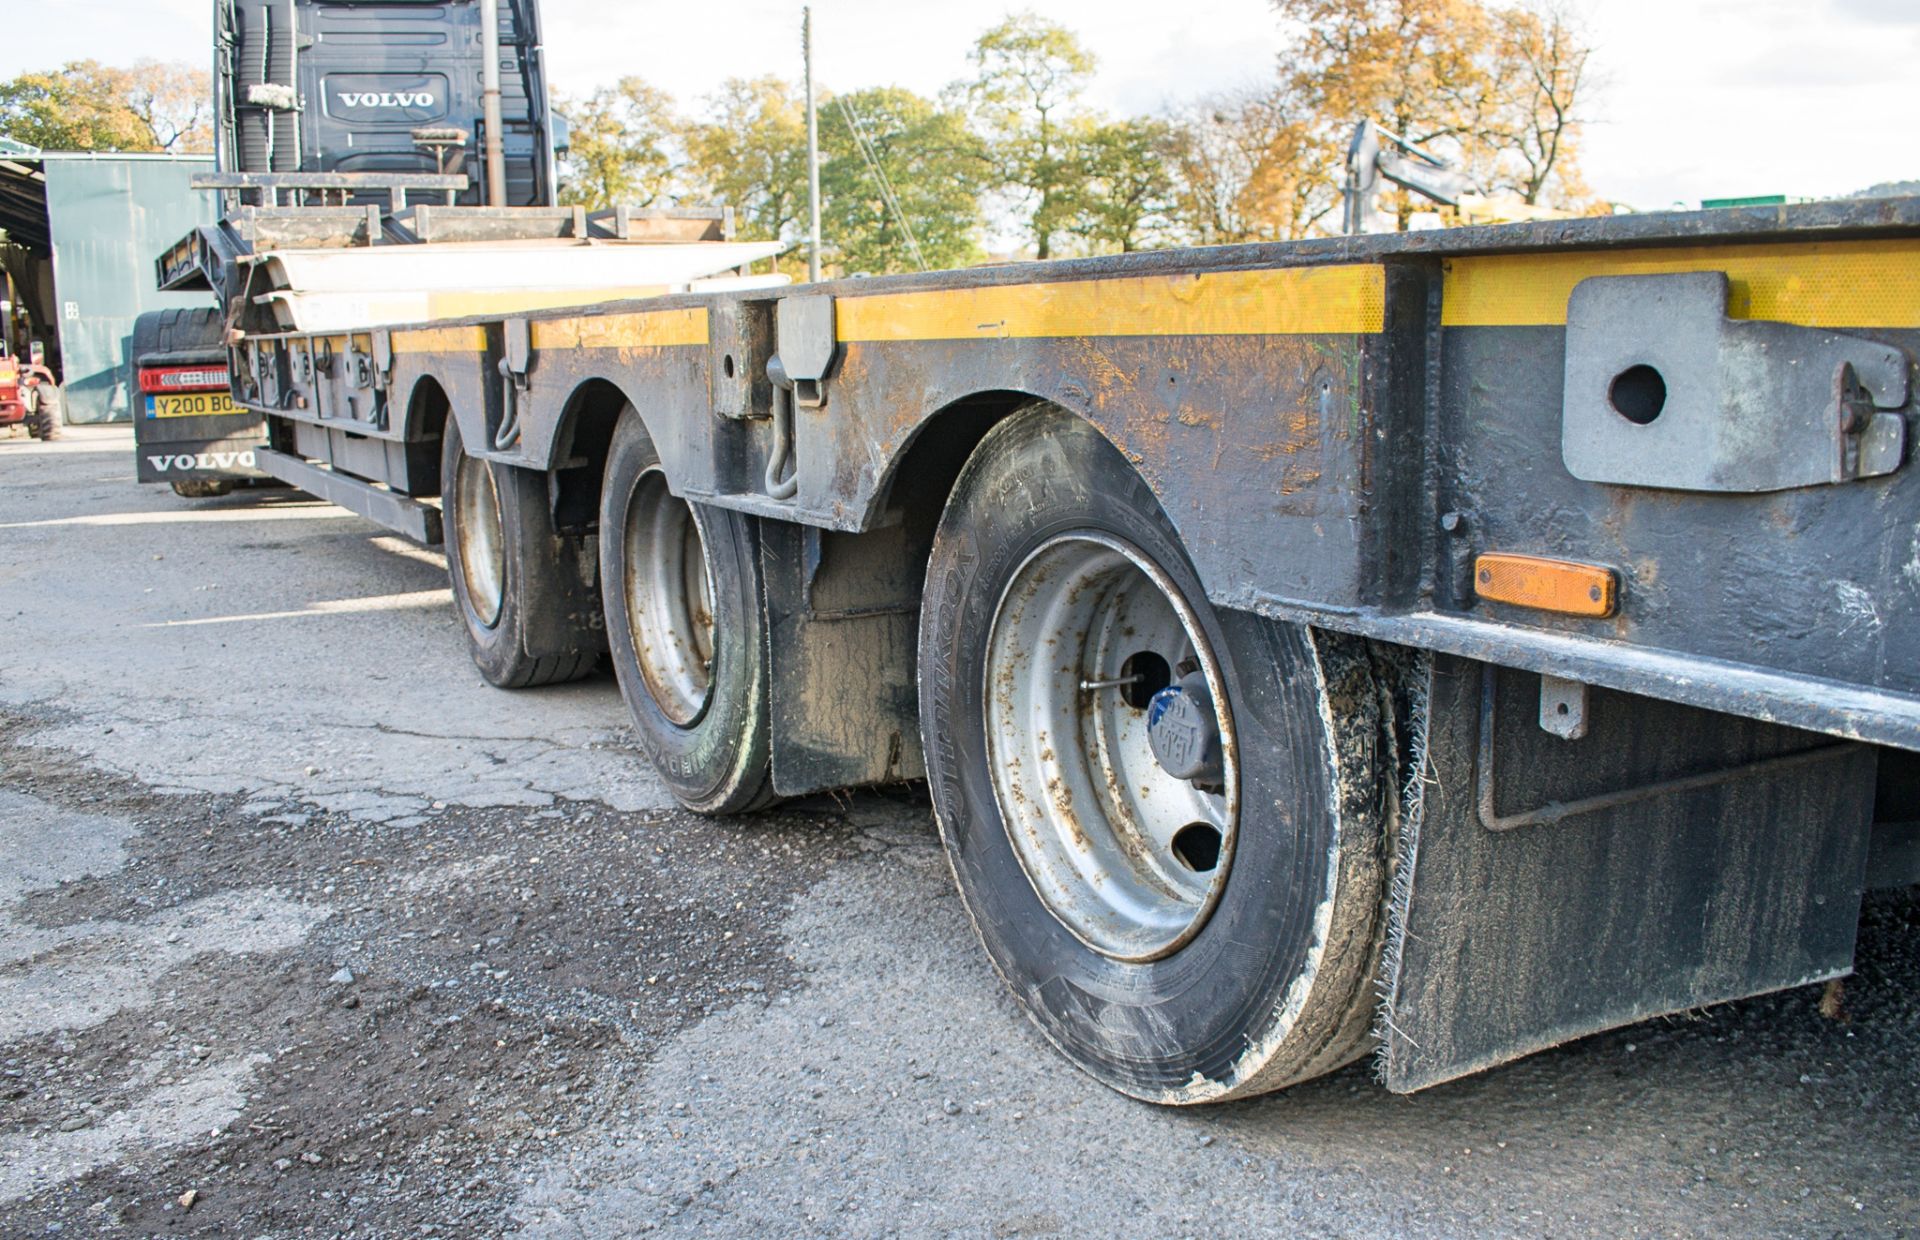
(686, 626)
(203, 488)
(524, 591)
(44, 408)
(180, 334)
(1168, 824)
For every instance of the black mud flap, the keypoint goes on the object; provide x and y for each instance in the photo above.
(162, 458)
(843, 616)
(1668, 859)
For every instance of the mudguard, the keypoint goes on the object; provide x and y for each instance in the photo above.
(1668, 859)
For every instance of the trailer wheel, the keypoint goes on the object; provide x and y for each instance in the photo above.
(522, 592)
(202, 488)
(43, 411)
(1167, 823)
(687, 629)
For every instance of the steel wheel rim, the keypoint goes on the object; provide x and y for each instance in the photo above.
(483, 541)
(1106, 836)
(669, 600)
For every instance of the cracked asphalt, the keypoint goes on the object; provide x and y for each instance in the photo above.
(305, 931)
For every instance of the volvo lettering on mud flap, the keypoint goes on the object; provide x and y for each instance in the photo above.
(174, 462)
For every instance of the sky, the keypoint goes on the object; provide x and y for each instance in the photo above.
(1696, 98)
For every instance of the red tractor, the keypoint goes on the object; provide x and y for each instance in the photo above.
(29, 394)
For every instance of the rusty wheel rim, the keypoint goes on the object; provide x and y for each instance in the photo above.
(669, 600)
(1128, 857)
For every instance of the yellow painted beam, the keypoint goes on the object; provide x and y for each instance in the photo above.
(647, 329)
(1336, 300)
(440, 340)
(1815, 284)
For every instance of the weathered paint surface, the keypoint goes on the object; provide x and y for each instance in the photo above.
(654, 329)
(1307, 415)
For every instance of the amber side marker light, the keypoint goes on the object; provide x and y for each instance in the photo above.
(1547, 585)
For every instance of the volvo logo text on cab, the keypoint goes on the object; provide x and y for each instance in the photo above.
(394, 99)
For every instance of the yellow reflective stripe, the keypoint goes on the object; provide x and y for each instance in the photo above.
(654, 328)
(649, 329)
(441, 340)
(470, 304)
(1336, 300)
(1815, 284)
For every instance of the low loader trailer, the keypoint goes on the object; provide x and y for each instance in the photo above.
(1435, 646)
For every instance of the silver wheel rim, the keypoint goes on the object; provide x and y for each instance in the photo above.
(669, 599)
(1114, 845)
(483, 549)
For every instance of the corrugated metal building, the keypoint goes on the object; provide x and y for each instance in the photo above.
(84, 230)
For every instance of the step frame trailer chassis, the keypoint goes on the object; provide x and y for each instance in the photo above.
(1440, 645)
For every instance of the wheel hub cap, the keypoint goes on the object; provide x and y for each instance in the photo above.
(1183, 732)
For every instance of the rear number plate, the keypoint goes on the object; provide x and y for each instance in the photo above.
(191, 405)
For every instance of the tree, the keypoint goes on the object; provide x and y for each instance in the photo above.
(1415, 66)
(929, 161)
(621, 151)
(1028, 77)
(752, 155)
(1495, 87)
(1530, 125)
(1122, 193)
(173, 102)
(88, 106)
(1249, 166)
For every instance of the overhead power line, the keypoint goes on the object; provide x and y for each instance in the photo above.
(870, 154)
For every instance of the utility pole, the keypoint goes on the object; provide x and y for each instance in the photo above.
(813, 151)
(494, 151)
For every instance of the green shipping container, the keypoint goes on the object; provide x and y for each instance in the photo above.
(110, 216)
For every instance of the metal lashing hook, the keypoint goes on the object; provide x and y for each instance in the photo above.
(778, 487)
(509, 432)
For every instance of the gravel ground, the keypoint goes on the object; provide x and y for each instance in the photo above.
(304, 931)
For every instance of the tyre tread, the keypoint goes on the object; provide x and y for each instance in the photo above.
(552, 670)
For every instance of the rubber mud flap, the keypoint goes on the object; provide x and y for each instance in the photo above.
(1277, 984)
(1670, 859)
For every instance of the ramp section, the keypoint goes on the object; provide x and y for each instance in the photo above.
(326, 290)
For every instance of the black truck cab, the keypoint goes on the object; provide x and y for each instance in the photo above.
(352, 87)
